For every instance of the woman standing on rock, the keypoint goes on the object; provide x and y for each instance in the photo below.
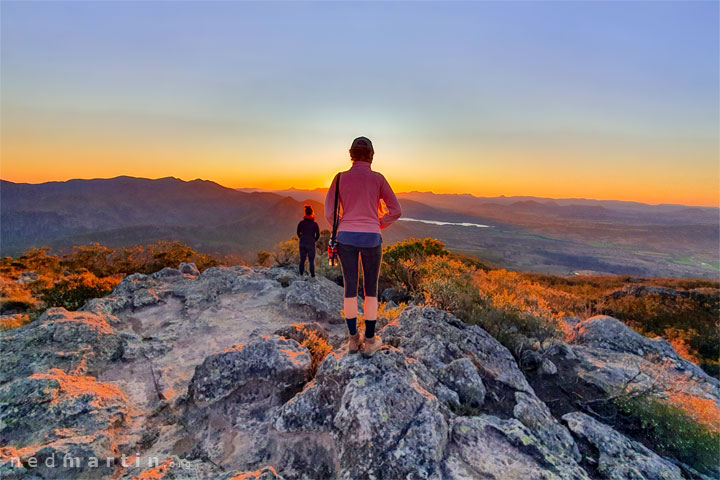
(359, 238)
(308, 233)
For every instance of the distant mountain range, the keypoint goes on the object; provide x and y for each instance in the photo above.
(505, 208)
(562, 236)
(126, 210)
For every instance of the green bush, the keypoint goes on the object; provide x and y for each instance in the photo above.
(323, 241)
(402, 260)
(263, 257)
(448, 284)
(72, 297)
(451, 284)
(287, 253)
(505, 323)
(672, 432)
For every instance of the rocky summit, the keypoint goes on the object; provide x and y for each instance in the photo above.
(218, 375)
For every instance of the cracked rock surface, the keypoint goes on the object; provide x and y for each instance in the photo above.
(190, 375)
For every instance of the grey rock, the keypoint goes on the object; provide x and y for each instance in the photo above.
(189, 269)
(394, 295)
(462, 377)
(374, 406)
(436, 338)
(78, 454)
(530, 360)
(488, 447)
(34, 409)
(319, 301)
(264, 366)
(618, 457)
(602, 331)
(391, 305)
(58, 339)
(547, 367)
(612, 356)
(167, 273)
(283, 275)
(643, 290)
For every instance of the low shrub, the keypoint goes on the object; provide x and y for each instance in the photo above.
(671, 431)
(448, 284)
(287, 253)
(72, 292)
(506, 323)
(401, 261)
(263, 258)
(318, 347)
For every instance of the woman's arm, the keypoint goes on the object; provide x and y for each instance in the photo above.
(391, 202)
(330, 202)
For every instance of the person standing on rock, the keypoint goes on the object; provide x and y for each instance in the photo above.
(359, 239)
(308, 232)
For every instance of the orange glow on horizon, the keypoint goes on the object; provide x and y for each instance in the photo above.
(496, 174)
(648, 195)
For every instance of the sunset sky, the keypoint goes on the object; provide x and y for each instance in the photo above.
(611, 100)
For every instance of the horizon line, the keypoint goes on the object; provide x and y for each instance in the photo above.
(270, 190)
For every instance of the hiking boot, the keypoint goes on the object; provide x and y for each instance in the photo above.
(354, 343)
(372, 345)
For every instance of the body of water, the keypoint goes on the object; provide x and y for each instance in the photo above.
(437, 222)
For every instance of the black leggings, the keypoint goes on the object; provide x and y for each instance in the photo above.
(307, 251)
(371, 258)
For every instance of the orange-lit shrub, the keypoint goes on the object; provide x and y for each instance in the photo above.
(318, 347)
(74, 290)
(287, 253)
(402, 261)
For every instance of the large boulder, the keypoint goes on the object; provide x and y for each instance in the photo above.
(606, 360)
(61, 422)
(438, 392)
(605, 332)
(46, 406)
(375, 406)
(70, 341)
(188, 269)
(489, 447)
(196, 290)
(613, 357)
(233, 397)
(482, 373)
(318, 300)
(265, 367)
(620, 458)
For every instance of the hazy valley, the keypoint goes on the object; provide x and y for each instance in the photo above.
(560, 236)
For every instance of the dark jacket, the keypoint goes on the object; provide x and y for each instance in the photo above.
(308, 232)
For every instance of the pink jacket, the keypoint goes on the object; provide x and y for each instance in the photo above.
(361, 190)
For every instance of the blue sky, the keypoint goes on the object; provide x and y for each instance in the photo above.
(588, 99)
